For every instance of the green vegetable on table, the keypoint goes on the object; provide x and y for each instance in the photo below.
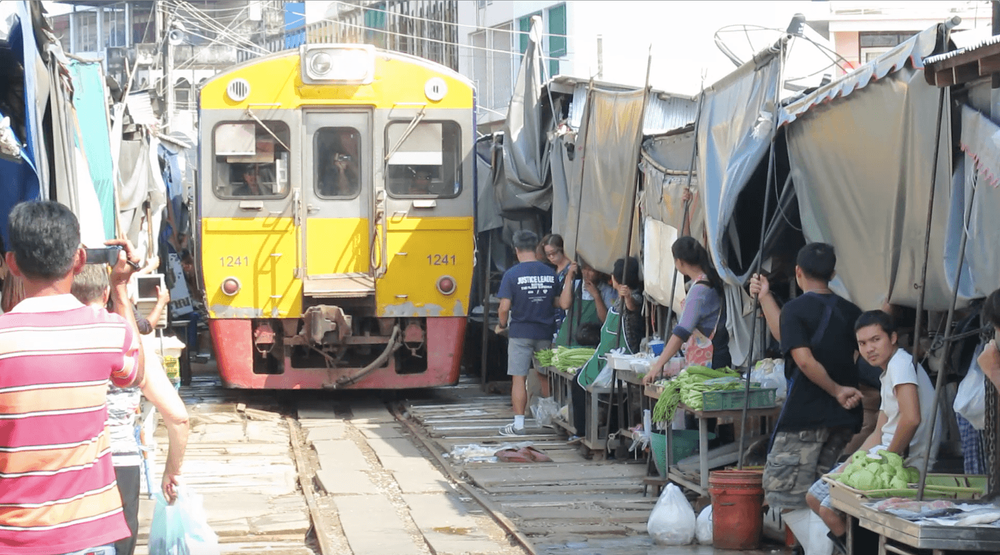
(564, 358)
(867, 473)
(687, 388)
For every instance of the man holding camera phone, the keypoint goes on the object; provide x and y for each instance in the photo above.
(57, 484)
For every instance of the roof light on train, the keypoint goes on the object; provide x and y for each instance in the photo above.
(352, 64)
(231, 286)
(446, 285)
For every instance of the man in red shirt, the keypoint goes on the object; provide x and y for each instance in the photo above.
(57, 485)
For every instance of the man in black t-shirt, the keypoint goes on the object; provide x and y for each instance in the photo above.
(823, 408)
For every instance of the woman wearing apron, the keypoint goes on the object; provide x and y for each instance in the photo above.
(585, 301)
(702, 325)
(623, 328)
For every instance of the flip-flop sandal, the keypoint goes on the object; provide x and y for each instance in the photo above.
(513, 455)
(535, 454)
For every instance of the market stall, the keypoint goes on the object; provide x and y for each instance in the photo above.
(950, 518)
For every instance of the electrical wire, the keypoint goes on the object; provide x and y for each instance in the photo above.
(437, 22)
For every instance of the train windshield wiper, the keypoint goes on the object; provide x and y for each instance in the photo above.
(406, 133)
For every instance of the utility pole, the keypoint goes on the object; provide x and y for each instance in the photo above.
(600, 57)
(995, 89)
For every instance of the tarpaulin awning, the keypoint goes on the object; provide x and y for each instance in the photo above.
(599, 207)
(863, 169)
(910, 52)
(973, 210)
(733, 139)
(525, 147)
(21, 181)
(89, 99)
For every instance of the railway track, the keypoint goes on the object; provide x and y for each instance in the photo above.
(307, 473)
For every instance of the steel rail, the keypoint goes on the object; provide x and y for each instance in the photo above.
(485, 503)
(301, 467)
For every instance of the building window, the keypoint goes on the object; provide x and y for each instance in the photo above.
(524, 27)
(872, 45)
(494, 65)
(557, 37)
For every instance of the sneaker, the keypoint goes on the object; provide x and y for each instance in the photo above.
(574, 440)
(839, 543)
(510, 430)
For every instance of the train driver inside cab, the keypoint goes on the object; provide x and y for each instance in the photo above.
(251, 182)
(341, 174)
(421, 179)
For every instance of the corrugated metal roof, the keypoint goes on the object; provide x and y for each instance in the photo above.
(971, 48)
(914, 51)
(664, 112)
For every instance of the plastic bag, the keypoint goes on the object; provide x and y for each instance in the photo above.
(970, 400)
(181, 528)
(704, 528)
(672, 521)
(603, 380)
(810, 531)
(544, 409)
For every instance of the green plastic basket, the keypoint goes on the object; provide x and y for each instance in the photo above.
(734, 399)
(685, 444)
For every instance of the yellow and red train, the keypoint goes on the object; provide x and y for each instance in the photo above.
(335, 219)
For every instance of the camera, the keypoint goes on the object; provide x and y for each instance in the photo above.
(341, 157)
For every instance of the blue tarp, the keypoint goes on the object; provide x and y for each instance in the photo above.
(91, 111)
(18, 181)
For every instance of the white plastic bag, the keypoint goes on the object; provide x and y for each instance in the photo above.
(672, 521)
(603, 380)
(181, 528)
(544, 409)
(810, 531)
(704, 529)
(970, 400)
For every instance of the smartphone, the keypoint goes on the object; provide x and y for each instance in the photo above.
(106, 255)
(103, 255)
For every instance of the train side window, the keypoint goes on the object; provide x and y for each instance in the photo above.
(251, 159)
(425, 163)
(337, 165)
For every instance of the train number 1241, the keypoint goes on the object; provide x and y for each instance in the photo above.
(441, 259)
(230, 261)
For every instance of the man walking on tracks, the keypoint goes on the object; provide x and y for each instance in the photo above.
(527, 294)
(57, 485)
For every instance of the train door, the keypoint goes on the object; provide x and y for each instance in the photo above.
(337, 204)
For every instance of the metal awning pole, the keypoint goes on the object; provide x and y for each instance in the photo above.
(923, 290)
(486, 309)
(684, 230)
(760, 254)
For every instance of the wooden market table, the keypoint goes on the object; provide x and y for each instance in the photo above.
(673, 473)
(897, 534)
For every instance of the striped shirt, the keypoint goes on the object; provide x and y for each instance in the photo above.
(57, 486)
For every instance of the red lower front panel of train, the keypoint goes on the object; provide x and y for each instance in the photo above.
(323, 351)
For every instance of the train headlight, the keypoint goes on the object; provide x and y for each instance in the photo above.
(345, 64)
(320, 64)
(231, 286)
(446, 285)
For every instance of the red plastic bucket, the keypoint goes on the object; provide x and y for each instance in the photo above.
(737, 505)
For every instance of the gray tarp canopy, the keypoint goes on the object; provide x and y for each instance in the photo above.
(978, 172)
(733, 139)
(600, 205)
(862, 168)
(525, 147)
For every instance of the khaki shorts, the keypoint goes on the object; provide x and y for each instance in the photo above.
(797, 460)
(521, 354)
